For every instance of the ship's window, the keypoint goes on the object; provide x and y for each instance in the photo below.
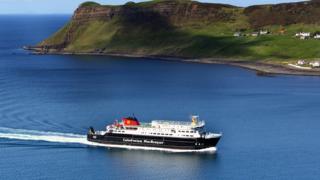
(166, 134)
(182, 131)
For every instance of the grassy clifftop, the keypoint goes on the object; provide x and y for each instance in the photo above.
(89, 4)
(184, 28)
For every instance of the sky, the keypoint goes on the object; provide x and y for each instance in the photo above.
(68, 6)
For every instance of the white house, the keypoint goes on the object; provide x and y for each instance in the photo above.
(263, 32)
(303, 35)
(301, 62)
(237, 34)
(255, 34)
(315, 64)
(317, 36)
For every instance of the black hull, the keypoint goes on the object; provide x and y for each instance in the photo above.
(152, 141)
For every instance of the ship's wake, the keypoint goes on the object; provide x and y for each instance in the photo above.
(56, 137)
(32, 135)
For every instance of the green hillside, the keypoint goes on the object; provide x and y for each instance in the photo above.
(149, 33)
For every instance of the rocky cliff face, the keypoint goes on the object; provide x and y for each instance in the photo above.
(284, 14)
(175, 12)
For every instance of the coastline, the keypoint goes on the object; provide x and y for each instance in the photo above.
(262, 68)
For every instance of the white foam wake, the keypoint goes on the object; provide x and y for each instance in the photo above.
(33, 135)
(21, 134)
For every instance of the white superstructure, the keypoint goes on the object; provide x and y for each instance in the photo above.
(161, 128)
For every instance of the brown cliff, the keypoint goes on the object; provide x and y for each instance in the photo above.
(175, 11)
(307, 12)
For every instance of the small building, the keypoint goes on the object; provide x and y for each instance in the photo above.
(303, 35)
(264, 32)
(317, 36)
(237, 34)
(255, 34)
(301, 62)
(315, 64)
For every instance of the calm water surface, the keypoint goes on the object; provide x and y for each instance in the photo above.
(270, 125)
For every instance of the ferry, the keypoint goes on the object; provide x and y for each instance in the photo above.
(162, 134)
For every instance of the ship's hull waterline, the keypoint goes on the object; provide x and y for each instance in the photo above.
(154, 141)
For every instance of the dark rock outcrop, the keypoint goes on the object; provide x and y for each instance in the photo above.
(179, 12)
(175, 11)
(284, 14)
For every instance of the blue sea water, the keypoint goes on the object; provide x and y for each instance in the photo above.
(270, 125)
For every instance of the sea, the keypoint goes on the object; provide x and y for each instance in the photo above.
(270, 124)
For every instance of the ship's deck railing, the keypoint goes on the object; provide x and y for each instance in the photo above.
(145, 124)
(178, 123)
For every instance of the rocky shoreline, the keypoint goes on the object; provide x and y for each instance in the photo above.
(262, 68)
